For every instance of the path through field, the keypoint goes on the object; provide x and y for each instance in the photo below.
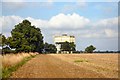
(53, 66)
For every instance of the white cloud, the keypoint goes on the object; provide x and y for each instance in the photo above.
(69, 23)
(13, 5)
(50, 1)
(111, 33)
(68, 8)
(92, 35)
(111, 22)
(81, 3)
(38, 22)
(12, 0)
(8, 22)
(16, 5)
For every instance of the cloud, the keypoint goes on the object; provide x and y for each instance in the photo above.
(69, 23)
(75, 5)
(16, 5)
(38, 22)
(111, 33)
(68, 8)
(13, 5)
(107, 23)
(50, 1)
(12, 0)
(93, 35)
(8, 22)
(109, 27)
(81, 3)
(61, 21)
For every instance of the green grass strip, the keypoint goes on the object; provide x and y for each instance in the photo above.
(81, 60)
(6, 72)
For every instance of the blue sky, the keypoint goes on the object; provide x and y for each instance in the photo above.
(92, 10)
(91, 22)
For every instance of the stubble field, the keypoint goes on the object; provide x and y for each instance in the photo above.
(70, 66)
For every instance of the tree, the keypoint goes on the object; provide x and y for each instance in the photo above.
(50, 48)
(66, 46)
(26, 38)
(72, 45)
(90, 49)
(4, 46)
(2, 40)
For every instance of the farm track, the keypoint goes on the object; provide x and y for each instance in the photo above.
(50, 66)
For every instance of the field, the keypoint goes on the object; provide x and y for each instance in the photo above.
(104, 64)
(11, 62)
(70, 66)
(12, 59)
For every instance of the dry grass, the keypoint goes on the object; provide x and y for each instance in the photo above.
(0, 67)
(105, 64)
(12, 59)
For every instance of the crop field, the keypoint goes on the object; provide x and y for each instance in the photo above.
(70, 66)
(11, 62)
(104, 64)
(12, 59)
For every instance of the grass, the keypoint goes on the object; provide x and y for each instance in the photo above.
(14, 63)
(0, 67)
(81, 60)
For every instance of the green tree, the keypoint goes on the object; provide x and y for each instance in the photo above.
(26, 38)
(72, 45)
(90, 49)
(66, 46)
(3, 40)
(4, 45)
(50, 48)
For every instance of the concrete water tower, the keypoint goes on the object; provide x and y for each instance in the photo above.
(63, 38)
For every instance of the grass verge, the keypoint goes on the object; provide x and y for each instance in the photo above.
(6, 72)
(81, 60)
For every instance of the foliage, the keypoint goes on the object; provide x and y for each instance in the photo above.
(50, 48)
(3, 44)
(90, 49)
(7, 50)
(2, 40)
(26, 38)
(66, 46)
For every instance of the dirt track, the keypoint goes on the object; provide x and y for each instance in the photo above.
(57, 66)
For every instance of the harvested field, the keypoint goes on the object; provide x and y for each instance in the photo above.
(70, 66)
(12, 59)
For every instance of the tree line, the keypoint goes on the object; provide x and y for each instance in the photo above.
(24, 38)
(27, 38)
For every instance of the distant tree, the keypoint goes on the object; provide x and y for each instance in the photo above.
(90, 49)
(66, 46)
(50, 48)
(3, 40)
(72, 45)
(0, 39)
(26, 38)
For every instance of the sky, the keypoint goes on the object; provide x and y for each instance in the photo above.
(91, 22)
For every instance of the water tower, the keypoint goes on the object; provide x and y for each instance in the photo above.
(63, 38)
